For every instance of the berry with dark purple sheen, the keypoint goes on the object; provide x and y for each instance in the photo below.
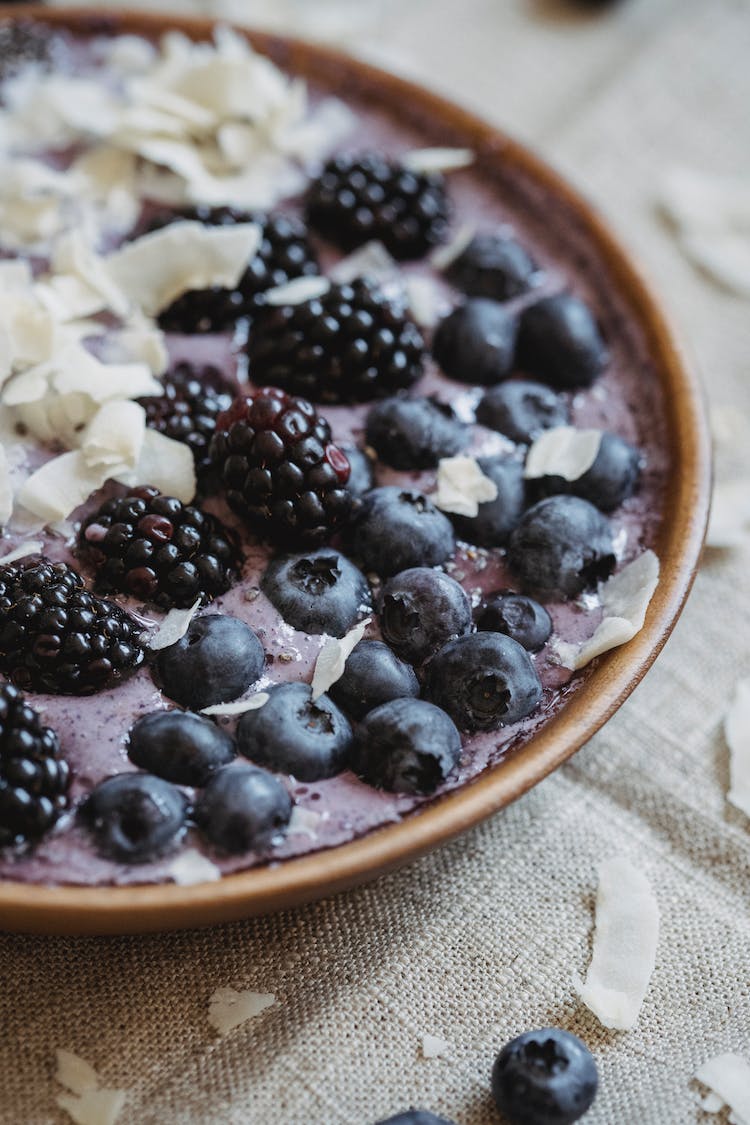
(493, 265)
(610, 480)
(293, 734)
(420, 610)
(560, 343)
(476, 342)
(194, 395)
(545, 1077)
(373, 674)
(521, 409)
(319, 592)
(360, 198)
(484, 681)
(414, 433)
(154, 547)
(353, 344)
(135, 817)
(561, 547)
(362, 474)
(179, 746)
(34, 777)
(216, 661)
(406, 746)
(279, 468)
(243, 808)
(516, 615)
(23, 42)
(495, 519)
(55, 636)
(415, 1117)
(398, 528)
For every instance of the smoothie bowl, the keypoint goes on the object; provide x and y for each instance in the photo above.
(351, 476)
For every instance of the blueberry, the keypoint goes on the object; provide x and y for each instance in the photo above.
(610, 480)
(361, 475)
(292, 734)
(242, 808)
(545, 1077)
(521, 409)
(484, 681)
(415, 1117)
(495, 520)
(134, 817)
(414, 433)
(421, 609)
(373, 675)
(493, 265)
(406, 746)
(179, 747)
(560, 343)
(398, 528)
(517, 616)
(217, 660)
(561, 547)
(319, 592)
(475, 343)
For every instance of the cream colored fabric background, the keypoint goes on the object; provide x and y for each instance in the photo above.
(485, 938)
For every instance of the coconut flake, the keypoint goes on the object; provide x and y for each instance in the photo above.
(445, 256)
(59, 487)
(191, 868)
(114, 436)
(737, 734)
(297, 291)
(562, 451)
(625, 940)
(6, 489)
(87, 1103)
(166, 464)
(303, 822)
(729, 523)
(712, 1103)
(332, 658)
(238, 706)
(371, 260)
(728, 1076)
(462, 486)
(22, 551)
(433, 1046)
(430, 160)
(229, 1008)
(173, 628)
(423, 296)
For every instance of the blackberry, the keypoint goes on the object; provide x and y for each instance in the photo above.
(194, 395)
(353, 344)
(359, 198)
(55, 636)
(33, 776)
(154, 547)
(280, 469)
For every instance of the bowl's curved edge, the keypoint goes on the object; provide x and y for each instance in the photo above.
(115, 910)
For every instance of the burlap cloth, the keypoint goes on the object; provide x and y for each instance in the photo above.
(485, 938)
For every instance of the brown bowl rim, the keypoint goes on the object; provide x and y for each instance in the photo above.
(140, 908)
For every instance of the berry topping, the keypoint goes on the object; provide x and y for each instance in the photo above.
(373, 674)
(360, 198)
(400, 528)
(420, 610)
(414, 433)
(156, 548)
(475, 343)
(493, 265)
(561, 547)
(55, 636)
(194, 395)
(134, 817)
(560, 343)
(280, 469)
(545, 1077)
(179, 747)
(216, 661)
(610, 480)
(292, 734)
(519, 617)
(406, 746)
(242, 808)
(495, 519)
(321, 592)
(353, 344)
(484, 681)
(521, 409)
(33, 776)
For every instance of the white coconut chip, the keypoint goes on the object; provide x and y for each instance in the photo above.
(304, 822)
(445, 256)
(22, 551)
(437, 159)
(371, 260)
(737, 734)
(173, 628)
(6, 489)
(433, 1047)
(238, 706)
(625, 940)
(462, 486)
(74, 1073)
(228, 1008)
(191, 868)
(87, 1103)
(562, 451)
(332, 658)
(423, 296)
(297, 291)
(728, 1076)
(114, 436)
(729, 523)
(712, 1103)
(166, 464)
(60, 486)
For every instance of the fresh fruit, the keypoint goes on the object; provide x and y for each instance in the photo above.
(521, 409)
(414, 433)
(320, 592)
(560, 343)
(545, 1077)
(406, 746)
(416, 1117)
(493, 265)
(420, 610)
(216, 661)
(483, 681)
(242, 808)
(367, 197)
(194, 395)
(561, 547)
(179, 746)
(361, 474)
(495, 519)
(373, 674)
(154, 547)
(475, 343)
(134, 817)
(34, 777)
(610, 480)
(279, 468)
(55, 636)
(292, 734)
(353, 344)
(516, 615)
(398, 528)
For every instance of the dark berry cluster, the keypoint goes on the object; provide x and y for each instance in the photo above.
(34, 777)
(193, 397)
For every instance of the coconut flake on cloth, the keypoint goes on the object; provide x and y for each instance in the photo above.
(728, 1078)
(86, 1102)
(228, 1008)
